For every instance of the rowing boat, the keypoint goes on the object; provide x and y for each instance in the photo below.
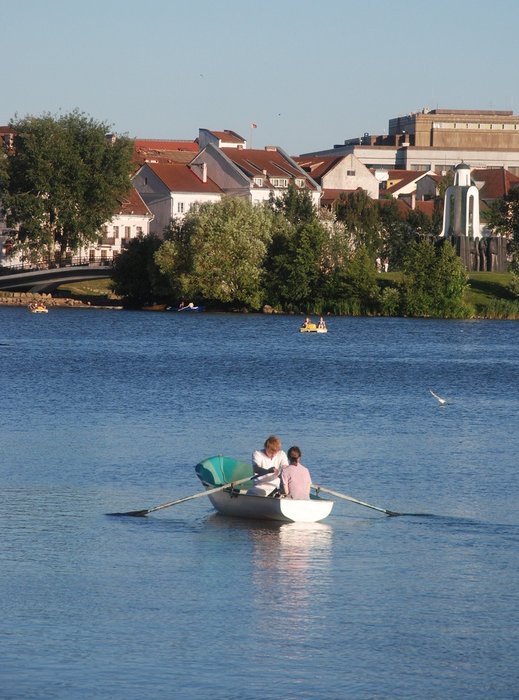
(217, 471)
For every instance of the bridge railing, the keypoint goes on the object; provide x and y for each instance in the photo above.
(53, 265)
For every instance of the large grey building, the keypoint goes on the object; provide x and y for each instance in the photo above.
(439, 139)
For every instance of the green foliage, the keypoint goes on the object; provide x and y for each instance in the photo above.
(361, 218)
(434, 281)
(136, 276)
(293, 268)
(514, 285)
(354, 283)
(63, 180)
(218, 253)
(295, 205)
(502, 217)
(390, 301)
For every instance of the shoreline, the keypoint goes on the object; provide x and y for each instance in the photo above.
(18, 299)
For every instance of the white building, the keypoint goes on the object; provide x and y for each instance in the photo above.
(170, 190)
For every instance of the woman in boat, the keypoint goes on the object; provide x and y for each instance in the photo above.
(296, 478)
(267, 464)
(321, 324)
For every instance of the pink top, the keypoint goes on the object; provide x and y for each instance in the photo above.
(296, 481)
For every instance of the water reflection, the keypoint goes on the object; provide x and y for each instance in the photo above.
(287, 563)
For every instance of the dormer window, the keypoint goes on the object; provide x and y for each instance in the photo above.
(300, 182)
(279, 181)
(258, 181)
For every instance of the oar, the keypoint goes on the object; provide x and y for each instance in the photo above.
(145, 511)
(353, 500)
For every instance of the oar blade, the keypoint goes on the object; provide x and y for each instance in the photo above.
(133, 513)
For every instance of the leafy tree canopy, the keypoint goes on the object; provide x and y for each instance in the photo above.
(63, 180)
(217, 253)
(136, 276)
(434, 281)
(296, 206)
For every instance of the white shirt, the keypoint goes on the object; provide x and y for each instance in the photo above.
(263, 485)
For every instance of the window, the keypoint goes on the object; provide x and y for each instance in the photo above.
(127, 232)
(350, 173)
(258, 181)
(279, 182)
(138, 230)
(180, 207)
(300, 182)
(116, 231)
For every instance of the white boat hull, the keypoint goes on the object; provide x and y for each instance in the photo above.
(241, 505)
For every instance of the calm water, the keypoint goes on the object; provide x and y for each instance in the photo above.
(106, 411)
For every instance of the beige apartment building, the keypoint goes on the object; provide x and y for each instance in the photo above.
(439, 139)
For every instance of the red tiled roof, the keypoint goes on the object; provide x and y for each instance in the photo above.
(317, 166)
(330, 196)
(227, 136)
(404, 206)
(256, 162)
(165, 145)
(401, 178)
(179, 177)
(154, 156)
(133, 204)
(497, 182)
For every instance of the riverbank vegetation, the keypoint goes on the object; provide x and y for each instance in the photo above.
(283, 257)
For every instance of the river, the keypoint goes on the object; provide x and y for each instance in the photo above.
(108, 411)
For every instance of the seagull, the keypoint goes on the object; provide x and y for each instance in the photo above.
(441, 401)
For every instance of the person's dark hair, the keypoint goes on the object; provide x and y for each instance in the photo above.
(294, 453)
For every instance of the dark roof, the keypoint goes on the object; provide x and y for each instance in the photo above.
(262, 163)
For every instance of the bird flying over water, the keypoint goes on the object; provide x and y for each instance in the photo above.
(441, 401)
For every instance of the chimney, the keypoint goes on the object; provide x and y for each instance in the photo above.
(204, 172)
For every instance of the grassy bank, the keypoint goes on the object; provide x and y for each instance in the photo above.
(487, 293)
(96, 291)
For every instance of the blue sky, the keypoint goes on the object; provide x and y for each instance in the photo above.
(309, 74)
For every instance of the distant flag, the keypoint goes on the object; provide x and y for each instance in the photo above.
(253, 126)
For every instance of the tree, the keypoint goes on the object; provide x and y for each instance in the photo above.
(63, 180)
(502, 217)
(354, 285)
(360, 216)
(136, 276)
(296, 206)
(217, 253)
(434, 281)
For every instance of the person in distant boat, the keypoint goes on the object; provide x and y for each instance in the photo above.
(295, 478)
(268, 463)
(306, 323)
(181, 305)
(322, 324)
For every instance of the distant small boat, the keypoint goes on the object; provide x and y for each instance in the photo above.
(310, 327)
(187, 308)
(234, 502)
(37, 307)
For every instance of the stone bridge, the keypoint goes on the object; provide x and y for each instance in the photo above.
(27, 280)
